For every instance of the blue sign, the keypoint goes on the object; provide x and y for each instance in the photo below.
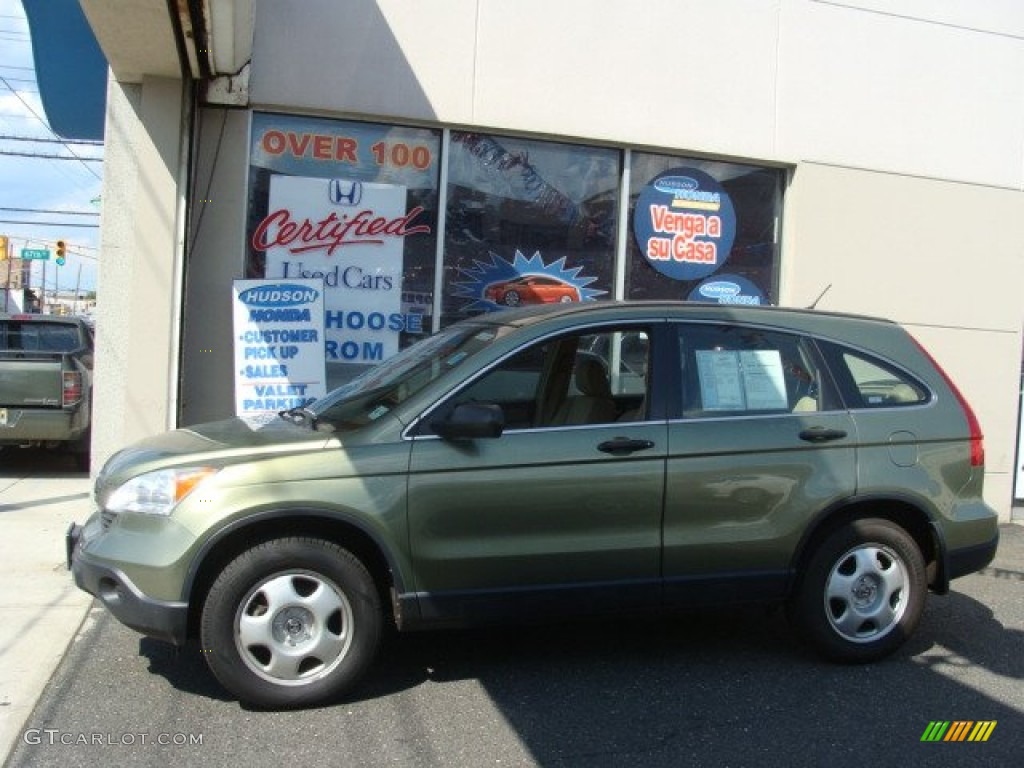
(38, 254)
(684, 224)
(728, 289)
(278, 295)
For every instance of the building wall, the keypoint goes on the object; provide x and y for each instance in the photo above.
(923, 88)
(942, 258)
(900, 122)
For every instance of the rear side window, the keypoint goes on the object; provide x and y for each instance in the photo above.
(872, 383)
(737, 371)
(39, 337)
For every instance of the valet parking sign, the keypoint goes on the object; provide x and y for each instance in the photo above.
(279, 345)
(685, 224)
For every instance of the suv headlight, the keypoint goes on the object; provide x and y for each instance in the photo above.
(157, 493)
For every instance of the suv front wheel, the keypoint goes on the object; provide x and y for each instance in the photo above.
(291, 622)
(862, 592)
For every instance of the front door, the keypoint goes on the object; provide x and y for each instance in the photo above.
(562, 512)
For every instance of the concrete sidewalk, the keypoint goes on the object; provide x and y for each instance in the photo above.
(40, 607)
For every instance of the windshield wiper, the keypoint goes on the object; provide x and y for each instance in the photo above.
(299, 415)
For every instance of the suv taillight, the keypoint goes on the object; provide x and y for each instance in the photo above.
(71, 391)
(976, 436)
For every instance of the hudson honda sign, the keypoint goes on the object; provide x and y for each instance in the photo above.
(279, 343)
(684, 224)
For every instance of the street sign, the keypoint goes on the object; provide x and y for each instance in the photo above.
(35, 253)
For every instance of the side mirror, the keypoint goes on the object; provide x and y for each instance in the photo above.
(469, 421)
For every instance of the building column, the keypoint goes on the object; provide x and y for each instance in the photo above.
(138, 312)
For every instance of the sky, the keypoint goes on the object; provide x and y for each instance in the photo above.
(63, 197)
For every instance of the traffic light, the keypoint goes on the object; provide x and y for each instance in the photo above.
(61, 252)
(4, 244)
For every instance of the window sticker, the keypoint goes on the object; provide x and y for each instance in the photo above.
(763, 382)
(721, 388)
(750, 380)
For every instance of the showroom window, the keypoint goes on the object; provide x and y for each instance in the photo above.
(528, 222)
(702, 230)
(354, 204)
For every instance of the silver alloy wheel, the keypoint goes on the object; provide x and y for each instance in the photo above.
(867, 593)
(512, 299)
(293, 628)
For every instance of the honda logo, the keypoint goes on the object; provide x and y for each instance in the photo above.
(344, 192)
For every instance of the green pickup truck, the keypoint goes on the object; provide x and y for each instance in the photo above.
(46, 383)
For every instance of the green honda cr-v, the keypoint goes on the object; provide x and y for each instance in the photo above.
(574, 458)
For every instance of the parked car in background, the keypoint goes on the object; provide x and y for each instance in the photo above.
(46, 383)
(549, 461)
(531, 289)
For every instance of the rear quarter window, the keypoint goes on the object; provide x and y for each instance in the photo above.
(869, 382)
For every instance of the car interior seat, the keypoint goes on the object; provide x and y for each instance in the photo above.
(594, 404)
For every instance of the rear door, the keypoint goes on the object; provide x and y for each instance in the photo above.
(758, 445)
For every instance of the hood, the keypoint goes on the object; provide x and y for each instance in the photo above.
(217, 443)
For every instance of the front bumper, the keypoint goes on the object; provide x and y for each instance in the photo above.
(159, 619)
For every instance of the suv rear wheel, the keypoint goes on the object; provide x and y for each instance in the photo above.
(291, 622)
(862, 592)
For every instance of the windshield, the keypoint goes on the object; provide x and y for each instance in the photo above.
(374, 393)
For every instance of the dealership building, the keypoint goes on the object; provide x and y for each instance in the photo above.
(426, 162)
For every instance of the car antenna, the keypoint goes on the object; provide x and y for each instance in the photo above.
(815, 302)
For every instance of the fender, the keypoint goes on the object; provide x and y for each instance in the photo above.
(328, 515)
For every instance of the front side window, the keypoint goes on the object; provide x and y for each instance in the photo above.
(580, 379)
(732, 370)
(378, 390)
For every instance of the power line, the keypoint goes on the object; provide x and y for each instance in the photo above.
(45, 140)
(50, 210)
(12, 153)
(29, 222)
(29, 108)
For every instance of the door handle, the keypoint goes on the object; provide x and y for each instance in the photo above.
(822, 434)
(624, 445)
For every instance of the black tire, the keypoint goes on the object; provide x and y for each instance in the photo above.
(290, 623)
(512, 299)
(862, 592)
